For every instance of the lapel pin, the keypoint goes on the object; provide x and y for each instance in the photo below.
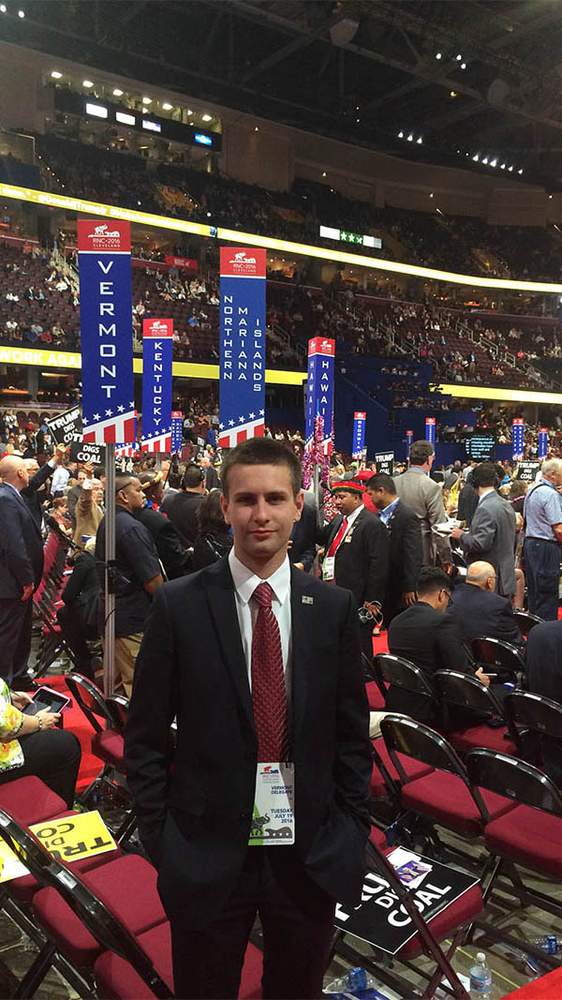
(308, 600)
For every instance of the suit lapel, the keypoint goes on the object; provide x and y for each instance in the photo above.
(222, 606)
(301, 649)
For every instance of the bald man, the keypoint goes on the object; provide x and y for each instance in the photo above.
(478, 610)
(21, 567)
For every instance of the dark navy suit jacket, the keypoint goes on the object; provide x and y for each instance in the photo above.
(21, 545)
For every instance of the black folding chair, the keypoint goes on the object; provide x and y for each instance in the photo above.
(402, 673)
(91, 911)
(445, 796)
(498, 657)
(528, 837)
(526, 621)
(104, 716)
(537, 723)
(485, 720)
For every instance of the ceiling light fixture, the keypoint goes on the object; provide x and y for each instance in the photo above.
(520, 171)
(452, 93)
(55, 75)
(21, 13)
(147, 100)
(459, 57)
(476, 157)
(485, 161)
(3, 8)
(463, 65)
(400, 135)
(438, 55)
(410, 137)
(419, 140)
(167, 106)
(502, 166)
(117, 92)
(206, 118)
(494, 163)
(87, 84)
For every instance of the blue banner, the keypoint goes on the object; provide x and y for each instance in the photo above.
(518, 438)
(359, 424)
(157, 345)
(106, 331)
(543, 442)
(177, 431)
(242, 345)
(320, 389)
(430, 430)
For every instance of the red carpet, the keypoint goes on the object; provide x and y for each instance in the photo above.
(548, 987)
(75, 721)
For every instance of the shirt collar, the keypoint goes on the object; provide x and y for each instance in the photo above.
(387, 512)
(353, 517)
(489, 494)
(417, 468)
(246, 581)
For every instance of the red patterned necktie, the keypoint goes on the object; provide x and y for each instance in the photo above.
(269, 696)
(337, 539)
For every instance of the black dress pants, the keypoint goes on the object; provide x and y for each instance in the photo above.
(15, 639)
(52, 755)
(76, 634)
(297, 919)
(542, 572)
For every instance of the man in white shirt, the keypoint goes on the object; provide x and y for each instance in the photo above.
(260, 663)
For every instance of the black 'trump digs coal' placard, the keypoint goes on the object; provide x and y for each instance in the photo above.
(381, 920)
(384, 462)
(67, 426)
(526, 471)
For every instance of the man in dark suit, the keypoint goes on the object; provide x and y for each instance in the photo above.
(406, 549)
(212, 481)
(260, 663)
(302, 550)
(544, 677)
(478, 610)
(356, 553)
(492, 530)
(182, 507)
(21, 567)
(424, 635)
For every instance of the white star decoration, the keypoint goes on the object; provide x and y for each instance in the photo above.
(109, 413)
(221, 427)
(132, 403)
(262, 413)
(96, 416)
(120, 409)
(231, 423)
(240, 420)
(252, 416)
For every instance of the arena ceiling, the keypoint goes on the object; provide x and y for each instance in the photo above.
(477, 77)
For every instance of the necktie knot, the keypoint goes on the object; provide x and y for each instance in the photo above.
(263, 595)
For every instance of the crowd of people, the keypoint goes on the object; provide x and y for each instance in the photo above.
(456, 243)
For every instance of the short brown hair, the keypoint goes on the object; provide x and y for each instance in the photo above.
(420, 452)
(262, 451)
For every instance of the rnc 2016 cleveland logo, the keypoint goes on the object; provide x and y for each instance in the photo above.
(103, 236)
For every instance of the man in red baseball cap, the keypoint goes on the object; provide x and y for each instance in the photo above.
(356, 553)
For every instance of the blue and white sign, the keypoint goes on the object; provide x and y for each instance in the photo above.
(543, 442)
(242, 345)
(359, 425)
(177, 431)
(430, 430)
(106, 331)
(157, 344)
(518, 438)
(320, 389)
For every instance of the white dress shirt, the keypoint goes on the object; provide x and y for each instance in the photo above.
(245, 582)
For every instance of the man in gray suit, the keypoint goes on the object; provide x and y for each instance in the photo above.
(417, 491)
(492, 530)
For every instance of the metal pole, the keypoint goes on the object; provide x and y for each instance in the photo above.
(109, 637)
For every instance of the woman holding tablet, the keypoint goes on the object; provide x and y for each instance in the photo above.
(30, 744)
